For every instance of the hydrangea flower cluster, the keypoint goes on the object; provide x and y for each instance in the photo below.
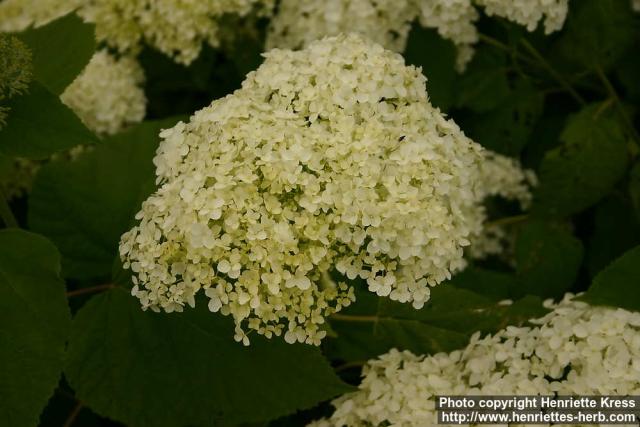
(529, 12)
(576, 349)
(175, 27)
(18, 15)
(328, 157)
(299, 22)
(108, 94)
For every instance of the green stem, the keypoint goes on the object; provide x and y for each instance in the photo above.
(350, 365)
(353, 318)
(6, 214)
(504, 47)
(552, 71)
(90, 290)
(509, 220)
(73, 415)
(613, 94)
(603, 107)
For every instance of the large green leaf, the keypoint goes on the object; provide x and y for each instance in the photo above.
(39, 125)
(618, 285)
(598, 33)
(61, 50)
(591, 160)
(85, 205)
(508, 127)
(148, 369)
(445, 323)
(547, 259)
(484, 84)
(616, 229)
(34, 323)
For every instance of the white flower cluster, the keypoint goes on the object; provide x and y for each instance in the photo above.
(576, 349)
(18, 15)
(635, 5)
(299, 22)
(175, 27)
(529, 12)
(108, 94)
(329, 157)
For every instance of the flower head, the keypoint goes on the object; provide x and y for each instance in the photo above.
(299, 22)
(108, 94)
(177, 28)
(576, 349)
(327, 158)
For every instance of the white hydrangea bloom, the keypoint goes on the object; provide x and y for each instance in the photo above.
(329, 157)
(18, 15)
(299, 22)
(576, 349)
(108, 94)
(529, 12)
(175, 27)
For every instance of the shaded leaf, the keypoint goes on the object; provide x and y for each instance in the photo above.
(60, 50)
(148, 369)
(577, 174)
(547, 259)
(507, 128)
(618, 285)
(34, 322)
(85, 205)
(615, 231)
(598, 32)
(484, 84)
(437, 57)
(40, 125)
(634, 188)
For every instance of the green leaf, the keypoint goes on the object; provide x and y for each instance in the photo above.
(484, 84)
(580, 172)
(615, 230)
(634, 188)
(464, 312)
(61, 50)
(445, 323)
(40, 125)
(437, 57)
(85, 205)
(618, 285)
(507, 128)
(492, 284)
(598, 33)
(419, 337)
(34, 322)
(547, 259)
(148, 369)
